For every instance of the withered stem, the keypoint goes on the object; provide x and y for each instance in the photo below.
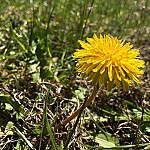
(87, 103)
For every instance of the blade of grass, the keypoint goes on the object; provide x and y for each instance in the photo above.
(99, 127)
(120, 147)
(46, 123)
(83, 15)
(74, 127)
(17, 38)
(137, 107)
(51, 133)
(47, 28)
(129, 146)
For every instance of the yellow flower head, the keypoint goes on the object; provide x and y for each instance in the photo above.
(107, 60)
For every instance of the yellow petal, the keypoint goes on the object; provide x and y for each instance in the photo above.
(121, 71)
(117, 75)
(117, 84)
(110, 85)
(90, 68)
(103, 69)
(110, 72)
(91, 41)
(125, 85)
(103, 78)
(95, 78)
(84, 45)
(97, 68)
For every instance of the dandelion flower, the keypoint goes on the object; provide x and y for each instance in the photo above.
(107, 60)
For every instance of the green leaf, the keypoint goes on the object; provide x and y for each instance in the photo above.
(61, 146)
(8, 107)
(80, 93)
(7, 99)
(8, 127)
(147, 147)
(106, 141)
(37, 130)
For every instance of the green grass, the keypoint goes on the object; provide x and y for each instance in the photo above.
(39, 86)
